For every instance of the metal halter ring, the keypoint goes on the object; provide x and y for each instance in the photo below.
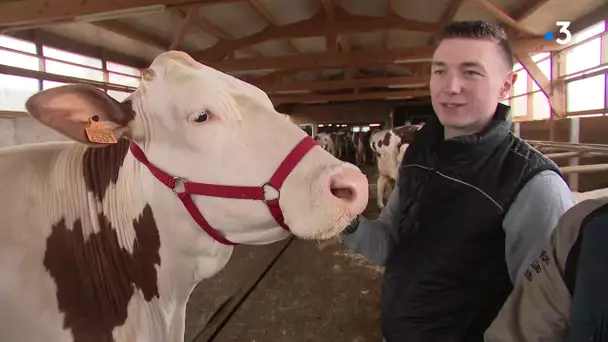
(264, 190)
(175, 185)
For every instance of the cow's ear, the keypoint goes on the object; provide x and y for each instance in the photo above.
(67, 109)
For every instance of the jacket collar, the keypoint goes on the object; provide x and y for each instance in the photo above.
(472, 145)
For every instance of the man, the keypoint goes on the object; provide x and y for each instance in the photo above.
(472, 201)
(563, 295)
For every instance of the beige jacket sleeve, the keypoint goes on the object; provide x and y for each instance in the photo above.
(538, 309)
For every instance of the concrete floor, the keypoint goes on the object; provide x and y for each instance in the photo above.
(307, 295)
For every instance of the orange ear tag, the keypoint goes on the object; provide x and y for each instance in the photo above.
(99, 134)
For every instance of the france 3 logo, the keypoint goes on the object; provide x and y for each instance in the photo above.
(563, 29)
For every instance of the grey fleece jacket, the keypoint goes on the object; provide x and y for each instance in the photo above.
(528, 224)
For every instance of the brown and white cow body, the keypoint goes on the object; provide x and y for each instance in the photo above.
(339, 140)
(94, 248)
(389, 146)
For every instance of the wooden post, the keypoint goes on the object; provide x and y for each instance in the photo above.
(574, 138)
(517, 129)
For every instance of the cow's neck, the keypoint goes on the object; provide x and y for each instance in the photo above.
(136, 246)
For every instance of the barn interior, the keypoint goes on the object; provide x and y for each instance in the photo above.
(328, 65)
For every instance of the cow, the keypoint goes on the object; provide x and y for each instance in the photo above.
(360, 142)
(389, 146)
(326, 142)
(338, 139)
(104, 237)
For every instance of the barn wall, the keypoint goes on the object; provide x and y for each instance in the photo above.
(592, 131)
(355, 112)
(18, 131)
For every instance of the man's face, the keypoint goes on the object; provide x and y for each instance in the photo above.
(468, 79)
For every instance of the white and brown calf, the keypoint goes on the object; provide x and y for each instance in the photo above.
(106, 242)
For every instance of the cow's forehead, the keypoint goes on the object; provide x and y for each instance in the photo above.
(181, 72)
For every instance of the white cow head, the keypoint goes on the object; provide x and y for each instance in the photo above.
(195, 122)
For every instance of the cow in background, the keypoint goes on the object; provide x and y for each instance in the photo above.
(389, 145)
(326, 142)
(360, 141)
(338, 139)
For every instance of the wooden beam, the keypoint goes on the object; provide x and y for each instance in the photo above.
(528, 9)
(332, 60)
(447, 17)
(183, 28)
(316, 26)
(9, 70)
(11, 114)
(593, 17)
(346, 97)
(44, 11)
(328, 6)
(266, 15)
(131, 32)
(555, 91)
(328, 60)
(420, 81)
(505, 19)
(208, 27)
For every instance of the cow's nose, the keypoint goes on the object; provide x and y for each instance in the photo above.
(349, 190)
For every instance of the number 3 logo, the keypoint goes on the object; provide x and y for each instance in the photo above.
(564, 29)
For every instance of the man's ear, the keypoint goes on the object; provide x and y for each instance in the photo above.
(67, 109)
(508, 84)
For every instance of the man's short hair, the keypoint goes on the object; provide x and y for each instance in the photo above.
(479, 29)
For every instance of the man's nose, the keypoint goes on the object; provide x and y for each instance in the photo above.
(453, 85)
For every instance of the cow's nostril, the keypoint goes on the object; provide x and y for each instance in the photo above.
(346, 194)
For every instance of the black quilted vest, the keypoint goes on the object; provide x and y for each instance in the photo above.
(446, 278)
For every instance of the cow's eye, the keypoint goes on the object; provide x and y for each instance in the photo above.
(200, 117)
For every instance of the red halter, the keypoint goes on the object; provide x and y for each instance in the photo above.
(228, 191)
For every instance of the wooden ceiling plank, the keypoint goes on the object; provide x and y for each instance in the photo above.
(447, 17)
(183, 28)
(43, 11)
(270, 19)
(528, 9)
(208, 27)
(332, 60)
(344, 84)
(504, 18)
(554, 90)
(128, 31)
(316, 26)
(347, 96)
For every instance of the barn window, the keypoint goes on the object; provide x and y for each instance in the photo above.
(51, 84)
(122, 69)
(71, 57)
(118, 95)
(124, 80)
(541, 108)
(80, 66)
(9, 55)
(585, 92)
(15, 90)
